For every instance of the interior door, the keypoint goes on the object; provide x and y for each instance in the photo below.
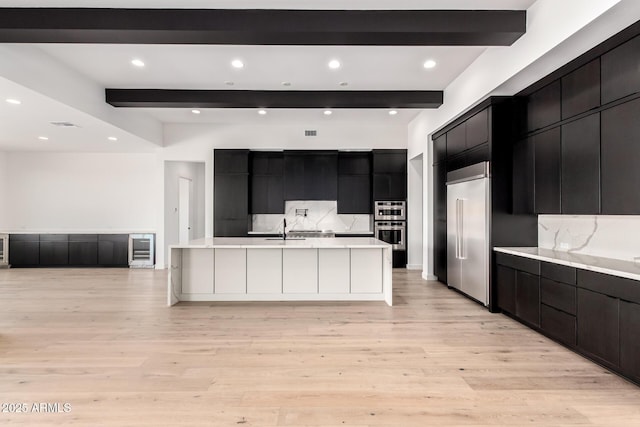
(184, 210)
(474, 239)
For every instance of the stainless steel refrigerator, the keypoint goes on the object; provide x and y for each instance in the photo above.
(468, 195)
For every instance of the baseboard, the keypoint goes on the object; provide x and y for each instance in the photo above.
(160, 266)
(414, 266)
(426, 276)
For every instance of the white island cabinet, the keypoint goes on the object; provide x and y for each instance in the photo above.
(257, 269)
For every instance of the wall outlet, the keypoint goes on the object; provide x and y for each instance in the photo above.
(564, 245)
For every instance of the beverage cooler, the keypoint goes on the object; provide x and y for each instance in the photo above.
(142, 250)
(4, 250)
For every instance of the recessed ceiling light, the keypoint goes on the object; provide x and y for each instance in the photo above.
(393, 112)
(236, 63)
(429, 63)
(195, 111)
(137, 62)
(334, 64)
(43, 138)
(229, 83)
(112, 138)
(13, 101)
(286, 83)
(328, 112)
(344, 83)
(262, 112)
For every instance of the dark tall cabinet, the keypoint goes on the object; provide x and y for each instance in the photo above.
(267, 182)
(389, 175)
(231, 193)
(354, 183)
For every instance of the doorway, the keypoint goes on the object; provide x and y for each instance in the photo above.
(185, 211)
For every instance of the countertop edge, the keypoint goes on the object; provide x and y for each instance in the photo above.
(578, 264)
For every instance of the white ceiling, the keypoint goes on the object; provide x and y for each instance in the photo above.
(208, 67)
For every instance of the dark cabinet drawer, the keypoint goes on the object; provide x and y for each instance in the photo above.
(83, 237)
(618, 287)
(24, 237)
(54, 237)
(558, 295)
(558, 324)
(519, 263)
(558, 272)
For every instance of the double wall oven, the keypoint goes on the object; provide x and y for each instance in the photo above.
(390, 225)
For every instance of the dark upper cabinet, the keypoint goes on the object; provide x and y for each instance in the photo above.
(543, 107)
(354, 194)
(389, 186)
(440, 149)
(547, 171)
(354, 163)
(457, 139)
(477, 129)
(580, 187)
(54, 249)
(629, 342)
(267, 182)
(620, 151)
(620, 71)
(389, 161)
(230, 161)
(598, 332)
(311, 175)
(523, 175)
(231, 196)
(24, 250)
(113, 250)
(389, 175)
(581, 89)
(354, 183)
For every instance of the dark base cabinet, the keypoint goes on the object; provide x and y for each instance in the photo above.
(113, 250)
(54, 253)
(598, 332)
(630, 340)
(399, 259)
(24, 250)
(83, 250)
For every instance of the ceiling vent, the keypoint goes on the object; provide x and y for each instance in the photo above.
(310, 132)
(65, 124)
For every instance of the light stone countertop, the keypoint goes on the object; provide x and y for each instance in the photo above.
(614, 267)
(291, 243)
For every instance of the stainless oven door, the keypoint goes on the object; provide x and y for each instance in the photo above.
(390, 211)
(393, 234)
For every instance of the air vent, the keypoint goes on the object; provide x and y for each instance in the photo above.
(310, 133)
(65, 124)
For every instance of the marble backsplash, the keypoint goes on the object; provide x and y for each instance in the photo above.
(610, 236)
(320, 215)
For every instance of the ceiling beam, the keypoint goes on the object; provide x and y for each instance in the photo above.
(177, 98)
(262, 27)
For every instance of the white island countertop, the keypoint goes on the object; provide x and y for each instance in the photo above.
(614, 267)
(290, 243)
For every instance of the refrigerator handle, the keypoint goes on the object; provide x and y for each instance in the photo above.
(461, 233)
(458, 228)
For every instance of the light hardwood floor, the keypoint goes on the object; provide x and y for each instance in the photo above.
(104, 341)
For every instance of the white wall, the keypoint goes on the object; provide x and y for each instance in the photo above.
(414, 213)
(3, 194)
(80, 192)
(195, 171)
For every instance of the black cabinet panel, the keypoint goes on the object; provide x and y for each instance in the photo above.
(581, 89)
(354, 163)
(543, 107)
(23, 253)
(83, 253)
(267, 162)
(232, 227)
(354, 194)
(618, 287)
(267, 194)
(557, 272)
(629, 342)
(231, 196)
(294, 170)
(321, 176)
(389, 161)
(620, 151)
(399, 259)
(83, 237)
(113, 250)
(506, 283)
(440, 149)
(54, 237)
(528, 297)
(547, 171)
(389, 187)
(620, 71)
(440, 249)
(558, 324)
(558, 295)
(598, 332)
(54, 253)
(528, 265)
(523, 177)
(24, 237)
(477, 129)
(440, 191)
(581, 166)
(457, 139)
(230, 161)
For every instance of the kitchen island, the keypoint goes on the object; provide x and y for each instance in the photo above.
(271, 269)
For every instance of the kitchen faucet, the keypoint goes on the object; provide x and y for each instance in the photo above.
(284, 229)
